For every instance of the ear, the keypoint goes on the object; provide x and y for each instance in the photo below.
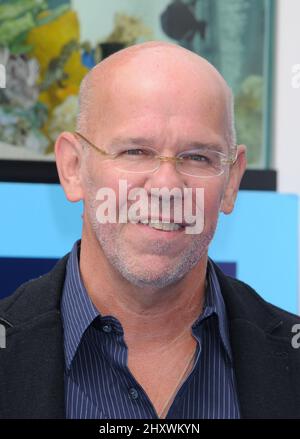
(69, 156)
(236, 173)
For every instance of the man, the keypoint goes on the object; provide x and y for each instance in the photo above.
(137, 321)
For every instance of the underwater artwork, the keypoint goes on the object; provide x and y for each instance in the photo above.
(236, 37)
(47, 46)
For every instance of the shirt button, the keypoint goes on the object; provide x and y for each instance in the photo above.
(133, 393)
(107, 328)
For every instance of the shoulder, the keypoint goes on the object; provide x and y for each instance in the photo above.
(250, 292)
(35, 297)
(243, 302)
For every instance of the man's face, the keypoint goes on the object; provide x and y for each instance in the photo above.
(170, 112)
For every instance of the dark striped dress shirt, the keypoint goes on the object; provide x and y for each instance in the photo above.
(98, 383)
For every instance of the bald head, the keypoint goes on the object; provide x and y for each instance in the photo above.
(153, 63)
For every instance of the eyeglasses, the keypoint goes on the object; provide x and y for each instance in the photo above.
(199, 162)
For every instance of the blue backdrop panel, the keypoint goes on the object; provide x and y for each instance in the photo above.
(37, 221)
(15, 271)
(258, 242)
(261, 235)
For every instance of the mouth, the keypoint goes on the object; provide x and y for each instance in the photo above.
(165, 226)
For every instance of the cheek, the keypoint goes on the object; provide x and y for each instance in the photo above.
(212, 200)
(99, 176)
(105, 193)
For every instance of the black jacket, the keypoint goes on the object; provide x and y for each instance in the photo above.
(267, 367)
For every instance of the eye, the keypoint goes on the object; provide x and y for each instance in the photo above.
(136, 153)
(196, 157)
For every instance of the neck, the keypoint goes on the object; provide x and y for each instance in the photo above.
(149, 316)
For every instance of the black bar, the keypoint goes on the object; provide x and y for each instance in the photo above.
(122, 428)
(28, 171)
(31, 171)
(259, 180)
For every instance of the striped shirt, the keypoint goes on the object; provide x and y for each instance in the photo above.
(98, 383)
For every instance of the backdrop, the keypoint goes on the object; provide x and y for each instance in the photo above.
(258, 243)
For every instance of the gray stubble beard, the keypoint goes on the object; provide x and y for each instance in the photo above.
(120, 259)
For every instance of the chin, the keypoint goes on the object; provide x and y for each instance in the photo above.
(152, 280)
(156, 266)
(154, 273)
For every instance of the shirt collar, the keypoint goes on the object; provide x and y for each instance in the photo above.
(214, 305)
(78, 311)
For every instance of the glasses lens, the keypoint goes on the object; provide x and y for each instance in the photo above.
(137, 160)
(202, 163)
(199, 163)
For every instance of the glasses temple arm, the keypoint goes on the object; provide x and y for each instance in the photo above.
(101, 151)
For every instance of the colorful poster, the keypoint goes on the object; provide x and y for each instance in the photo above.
(47, 46)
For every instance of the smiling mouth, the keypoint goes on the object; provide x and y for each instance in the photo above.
(164, 226)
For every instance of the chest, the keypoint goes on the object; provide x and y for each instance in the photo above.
(162, 375)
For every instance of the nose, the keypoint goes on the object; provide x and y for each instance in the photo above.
(166, 176)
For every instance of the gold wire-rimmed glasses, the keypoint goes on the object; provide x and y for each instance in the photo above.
(202, 162)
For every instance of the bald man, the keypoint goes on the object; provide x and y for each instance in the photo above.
(136, 322)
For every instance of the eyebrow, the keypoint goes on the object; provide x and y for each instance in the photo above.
(202, 145)
(150, 142)
(118, 141)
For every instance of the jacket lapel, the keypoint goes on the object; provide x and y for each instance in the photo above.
(32, 364)
(32, 370)
(265, 375)
(261, 364)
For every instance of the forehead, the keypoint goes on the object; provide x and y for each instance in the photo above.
(161, 91)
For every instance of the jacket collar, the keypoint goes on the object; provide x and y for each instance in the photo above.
(262, 353)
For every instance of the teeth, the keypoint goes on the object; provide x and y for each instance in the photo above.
(167, 227)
